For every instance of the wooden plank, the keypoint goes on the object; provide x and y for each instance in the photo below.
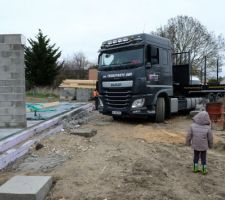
(79, 81)
(72, 83)
(78, 86)
(51, 104)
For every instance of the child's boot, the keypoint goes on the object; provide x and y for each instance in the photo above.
(195, 168)
(204, 169)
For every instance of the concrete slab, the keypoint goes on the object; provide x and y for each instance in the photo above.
(48, 113)
(8, 150)
(26, 188)
(63, 107)
(14, 153)
(7, 132)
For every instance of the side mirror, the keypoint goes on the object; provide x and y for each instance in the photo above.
(148, 65)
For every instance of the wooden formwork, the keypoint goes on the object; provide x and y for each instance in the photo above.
(71, 83)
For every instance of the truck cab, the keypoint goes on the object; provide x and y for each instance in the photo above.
(135, 76)
(139, 76)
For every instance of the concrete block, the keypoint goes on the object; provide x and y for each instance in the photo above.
(12, 80)
(18, 118)
(16, 47)
(6, 118)
(19, 90)
(6, 89)
(85, 132)
(3, 125)
(4, 47)
(2, 39)
(18, 104)
(83, 94)
(12, 97)
(4, 111)
(10, 68)
(4, 68)
(17, 61)
(26, 188)
(12, 39)
(17, 124)
(5, 104)
(17, 111)
(67, 93)
(6, 54)
(5, 76)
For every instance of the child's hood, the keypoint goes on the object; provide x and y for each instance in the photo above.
(202, 118)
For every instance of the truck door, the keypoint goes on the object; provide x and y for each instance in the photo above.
(152, 66)
(166, 67)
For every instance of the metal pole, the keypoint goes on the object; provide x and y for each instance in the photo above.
(190, 66)
(205, 72)
(201, 74)
(217, 71)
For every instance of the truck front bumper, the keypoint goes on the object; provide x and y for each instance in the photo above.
(146, 110)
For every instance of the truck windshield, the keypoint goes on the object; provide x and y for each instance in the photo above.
(118, 58)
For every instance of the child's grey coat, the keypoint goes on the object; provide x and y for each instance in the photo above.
(200, 135)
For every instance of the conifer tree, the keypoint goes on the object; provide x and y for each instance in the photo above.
(41, 61)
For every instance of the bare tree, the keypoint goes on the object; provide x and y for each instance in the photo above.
(77, 62)
(188, 34)
(75, 67)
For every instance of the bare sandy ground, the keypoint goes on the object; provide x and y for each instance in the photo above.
(128, 159)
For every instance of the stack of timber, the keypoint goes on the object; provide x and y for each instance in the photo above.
(85, 84)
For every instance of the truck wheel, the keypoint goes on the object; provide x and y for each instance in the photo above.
(160, 110)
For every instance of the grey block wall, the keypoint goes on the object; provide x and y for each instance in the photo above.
(12, 81)
(83, 95)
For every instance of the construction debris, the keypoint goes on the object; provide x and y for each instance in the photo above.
(85, 132)
(38, 146)
(44, 164)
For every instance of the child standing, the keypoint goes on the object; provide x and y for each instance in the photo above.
(200, 138)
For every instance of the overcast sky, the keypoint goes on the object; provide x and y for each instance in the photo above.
(82, 25)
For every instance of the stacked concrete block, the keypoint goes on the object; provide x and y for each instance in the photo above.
(67, 94)
(12, 82)
(83, 95)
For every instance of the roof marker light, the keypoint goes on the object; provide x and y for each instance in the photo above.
(114, 41)
(109, 42)
(125, 39)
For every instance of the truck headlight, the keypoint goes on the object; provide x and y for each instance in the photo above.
(138, 103)
(100, 103)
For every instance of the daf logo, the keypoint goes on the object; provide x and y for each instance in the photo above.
(116, 84)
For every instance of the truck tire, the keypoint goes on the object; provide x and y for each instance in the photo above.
(160, 110)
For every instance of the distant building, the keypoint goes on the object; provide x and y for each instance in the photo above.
(92, 74)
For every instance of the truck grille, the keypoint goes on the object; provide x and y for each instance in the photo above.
(117, 98)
